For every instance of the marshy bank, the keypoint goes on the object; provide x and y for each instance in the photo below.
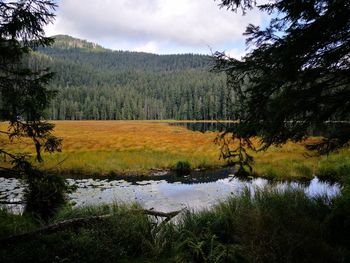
(223, 218)
(132, 148)
(267, 226)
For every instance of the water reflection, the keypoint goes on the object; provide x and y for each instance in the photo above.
(204, 126)
(164, 195)
(327, 129)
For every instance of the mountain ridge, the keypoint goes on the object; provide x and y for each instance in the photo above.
(67, 41)
(70, 48)
(95, 83)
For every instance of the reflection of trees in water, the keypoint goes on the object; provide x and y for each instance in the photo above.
(204, 126)
(326, 129)
(194, 177)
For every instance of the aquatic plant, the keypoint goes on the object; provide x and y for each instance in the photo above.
(182, 168)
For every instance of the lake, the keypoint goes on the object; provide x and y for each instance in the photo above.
(322, 129)
(201, 189)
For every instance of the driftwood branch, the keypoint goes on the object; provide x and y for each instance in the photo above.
(77, 223)
(160, 214)
(10, 203)
(168, 216)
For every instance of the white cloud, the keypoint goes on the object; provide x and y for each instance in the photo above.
(235, 53)
(149, 47)
(151, 23)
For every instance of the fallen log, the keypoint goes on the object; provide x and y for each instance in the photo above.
(11, 203)
(160, 214)
(77, 223)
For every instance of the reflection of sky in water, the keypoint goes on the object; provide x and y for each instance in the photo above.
(316, 188)
(165, 196)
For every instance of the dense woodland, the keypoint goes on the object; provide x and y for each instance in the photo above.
(95, 83)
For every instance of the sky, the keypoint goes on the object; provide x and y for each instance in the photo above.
(156, 26)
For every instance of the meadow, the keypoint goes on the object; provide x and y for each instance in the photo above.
(267, 226)
(142, 147)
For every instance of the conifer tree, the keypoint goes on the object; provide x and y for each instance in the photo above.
(23, 90)
(296, 76)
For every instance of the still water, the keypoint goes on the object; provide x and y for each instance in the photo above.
(321, 129)
(167, 193)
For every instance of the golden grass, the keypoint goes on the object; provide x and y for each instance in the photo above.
(124, 146)
(136, 147)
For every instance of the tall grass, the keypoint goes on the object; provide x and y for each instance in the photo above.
(269, 226)
(127, 147)
(335, 167)
(138, 147)
(127, 234)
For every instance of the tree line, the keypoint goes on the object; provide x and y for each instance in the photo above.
(94, 83)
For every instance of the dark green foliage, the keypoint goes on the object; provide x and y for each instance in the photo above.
(23, 92)
(24, 96)
(338, 222)
(69, 50)
(126, 235)
(337, 173)
(334, 168)
(275, 227)
(94, 83)
(236, 155)
(294, 77)
(13, 224)
(269, 226)
(182, 168)
(305, 172)
(44, 194)
(270, 174)
(201, 238)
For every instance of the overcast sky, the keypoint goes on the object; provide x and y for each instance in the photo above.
(156, 26)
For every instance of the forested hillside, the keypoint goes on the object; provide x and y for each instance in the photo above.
(97, 83)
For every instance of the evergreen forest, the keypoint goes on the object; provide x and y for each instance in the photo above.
(94, 83)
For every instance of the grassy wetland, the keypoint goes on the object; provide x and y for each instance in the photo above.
(123, 180)
(141, 147)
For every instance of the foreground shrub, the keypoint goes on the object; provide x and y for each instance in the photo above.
(334, 173)
(265, 226)
(338, 221)
(335, 167)
(12, 224)
(127, 233)
(45, 194)
(269, 227)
